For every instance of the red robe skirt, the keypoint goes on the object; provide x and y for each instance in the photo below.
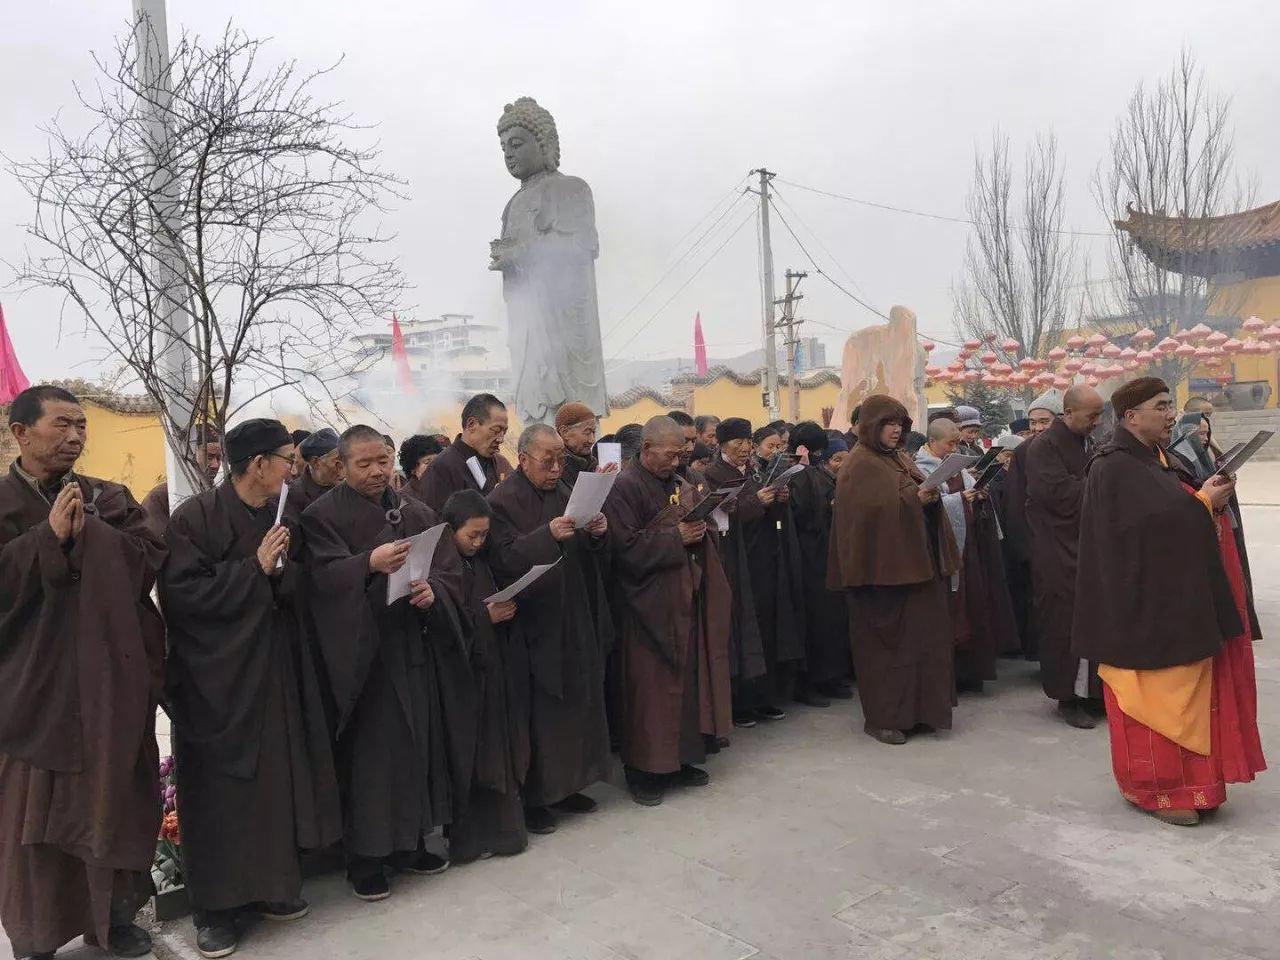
(1153, 772)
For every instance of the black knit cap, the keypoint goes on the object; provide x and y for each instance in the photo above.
(254, 437)
(735, 428)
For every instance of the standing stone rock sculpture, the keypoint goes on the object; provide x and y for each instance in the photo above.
(547, 258)
(885, 358)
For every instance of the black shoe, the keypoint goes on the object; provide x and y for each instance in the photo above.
(217, 938)
(576, 803)
(970, 686)
(812, 698)
(1074, 713)
(427, 864)
(772, 713)
(836, 690)
(130, 940)
(646, 791)
(284, 910)
(371, 888)
(895, 738)
(1096, 707)
(539, 820)
(744, 718)
(710, 744)
(722, 742)
(43, 956)
(690, 776)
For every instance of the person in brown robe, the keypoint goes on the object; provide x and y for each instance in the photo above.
(577, 424)
(892, 552)
(321, 470)
(1055, 491)
(416, 456)
(81, 653)
(828, 662)
(704, 426)
(208, 454)
(567, 640)
(254, 767)
(675, 621)
(492, 821)
(484, 427)
(746, 645)
(392, 667)
(686, 471)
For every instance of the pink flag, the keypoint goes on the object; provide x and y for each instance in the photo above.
(12, 380)
(401, 357)
(699, 347)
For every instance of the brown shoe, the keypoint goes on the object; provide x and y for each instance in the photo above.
(1178, 818)
(895, 738)
(1075, 714)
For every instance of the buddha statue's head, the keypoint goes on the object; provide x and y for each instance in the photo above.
(529, 141)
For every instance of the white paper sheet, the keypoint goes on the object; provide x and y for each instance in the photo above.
(477, 471)
(422, 548)
(284, 498)
(589, 493)
(534, 573)
(949, 467)
(784, 476)
(608, 453)
(721, 518)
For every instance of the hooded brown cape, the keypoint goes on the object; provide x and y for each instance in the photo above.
(401, 677)
(674, 658)
(449, 473)
(566, 640)
(81, 652)
(1055, 490)
(827, 655)
(891, 553)
(1157, 594)
(255, 769)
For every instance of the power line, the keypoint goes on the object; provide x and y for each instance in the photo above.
(930, 216)
(813, 233)
(735, 189)
(653, 316)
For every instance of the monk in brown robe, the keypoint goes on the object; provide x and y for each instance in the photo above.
(675, 620)
(1055, 491)
(492, 820)
(81, 652)
(566, 639)
(321, 470)
(892, 551)
(208, 454)
(395, 758)
(255, 771)
(577, 424)
(484, 427)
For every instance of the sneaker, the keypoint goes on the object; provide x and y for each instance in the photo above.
(217, 938)
(130, 940)
(1075, 714)
(576, 803)
(539, 820)
(427, 864)
(895, 738)
(836, 690)
(810, 697)
(690, 776)
(646, 791)
(770, 712)
(744, 719)
(371, 888)
(283, 910)
(1177, 818)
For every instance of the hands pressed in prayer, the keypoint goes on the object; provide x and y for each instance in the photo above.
(272, 548)
(767, 495)
(692, 533)
(561, 528)
(598, 525)
(501, 612)
(1219, 489)
(389, 557)
(66, 516)
(420, 594)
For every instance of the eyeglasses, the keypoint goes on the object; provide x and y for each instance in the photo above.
(549, 462)
(291, 459)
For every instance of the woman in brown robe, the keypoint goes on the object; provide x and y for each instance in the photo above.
(891, 550)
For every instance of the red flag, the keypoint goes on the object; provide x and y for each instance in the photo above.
(12, 380)
(699, 347)
(401, 357)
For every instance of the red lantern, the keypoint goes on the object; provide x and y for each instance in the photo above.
(1168, 343)
(1092, 381)
(927, 346)
(1075, 364)
(1057, 354)
(1197, 333)
(1185, 350)
(1062, 383)
(1216, 339)
(1075, 343)
(1145, 356)
(1145, 335)
(1254, 325)
(1111, 351)
(1233, 346)
(1010, 345)
(988, 358)
(1272, 333)
(972, 345)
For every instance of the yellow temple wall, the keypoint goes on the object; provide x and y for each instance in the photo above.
(1259, 297)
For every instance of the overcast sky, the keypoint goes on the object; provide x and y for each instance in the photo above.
(665, 107)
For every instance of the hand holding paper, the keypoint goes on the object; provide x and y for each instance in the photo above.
(510, 593)
(419, 550)
(590, 491)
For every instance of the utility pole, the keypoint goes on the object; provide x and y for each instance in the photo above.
(788, 322)
(770, 382)
(172, 322)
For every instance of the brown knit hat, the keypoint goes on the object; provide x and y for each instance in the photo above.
(572, 413)
(1135, 393)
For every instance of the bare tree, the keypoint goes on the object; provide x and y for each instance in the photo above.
(1019, 259)
(249, 230)
(1171, 154)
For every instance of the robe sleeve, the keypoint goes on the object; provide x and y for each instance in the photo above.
(38, 546)
(1051, 485)
(194, 584)
(640, 550)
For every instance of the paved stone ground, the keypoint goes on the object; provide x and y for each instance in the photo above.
(1004, 839)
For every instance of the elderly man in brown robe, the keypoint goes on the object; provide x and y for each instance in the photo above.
(255, 770)
(321, 469)
(391, 666)
(1055, 464)
(207, 450)
(675, 620)
(892, 552)
(566, 639)
(577, 424)
(472, 461)
(81, 649)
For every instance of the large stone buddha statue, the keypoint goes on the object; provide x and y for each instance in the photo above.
(547, 258)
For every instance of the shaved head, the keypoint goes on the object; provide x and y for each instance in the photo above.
(661, 444)
(1081, 409)
(942, 429)
(658, 428)
(1079, 397)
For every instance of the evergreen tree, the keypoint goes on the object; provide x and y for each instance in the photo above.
(992, 404)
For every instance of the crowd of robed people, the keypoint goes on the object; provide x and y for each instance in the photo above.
(309, 711)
